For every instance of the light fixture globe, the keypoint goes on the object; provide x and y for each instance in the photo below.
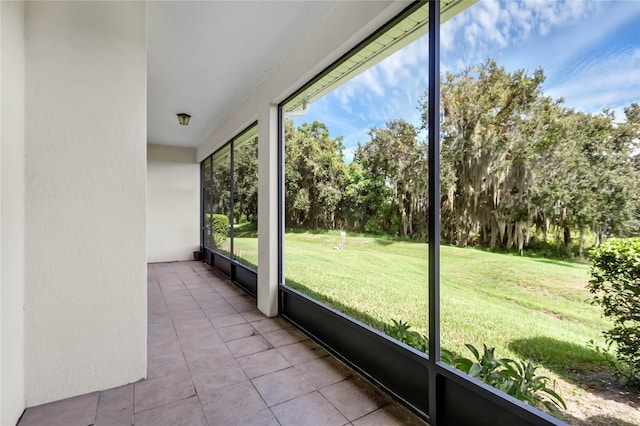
(183, 119)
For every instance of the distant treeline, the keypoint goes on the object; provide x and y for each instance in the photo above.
(514, 164)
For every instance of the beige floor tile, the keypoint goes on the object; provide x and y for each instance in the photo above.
(198, 339)
(115, 406)
(76, 411)
(162, 346)
(301, 352)
(206, 297)
(217, 309)
(308, 410)
(391, 415)
(262, 363)
(161, 333)
(224, 373)
(165, 365)
(182, 413)
(227, 320)
(163, 390)
(227, 405)
(323, 372)
(238, 331)
(282, 386)
(270, 324)
(261, 418)
(186, 325)
(245, 306)
(248, 345)
(253, 315)
(226, 290)
(283, 337)
(207, 357)
(187, 315)
(354, 398)
(240, 299)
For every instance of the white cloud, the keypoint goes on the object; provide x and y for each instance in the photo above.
(548, 15)
(449, 29)
(595, 83)
(559, 36)
(493, 22)
(398, 66)
(522, 16)
(344, 93)
(571, 40)
(371, 80)
(489, 26)
(388, 87)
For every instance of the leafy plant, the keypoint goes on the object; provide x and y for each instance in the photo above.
(615, 283)
(513, 377)
(220, 224)
(400, 330)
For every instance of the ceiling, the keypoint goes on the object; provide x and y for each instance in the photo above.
(205, 57)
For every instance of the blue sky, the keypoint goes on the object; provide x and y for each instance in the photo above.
(589, 50)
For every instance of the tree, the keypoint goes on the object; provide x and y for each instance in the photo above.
(514, 161)
(489, 135)
(245, 176)
(394, 165)
(315, 176)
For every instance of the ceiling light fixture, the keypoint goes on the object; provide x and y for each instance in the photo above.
(183, 119)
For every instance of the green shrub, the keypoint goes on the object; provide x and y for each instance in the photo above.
(220, 227)
(220, 224)
(615, 283)
(515, 378)
(399, 330)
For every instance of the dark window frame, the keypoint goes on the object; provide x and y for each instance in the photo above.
(447, 389)
(239, 273)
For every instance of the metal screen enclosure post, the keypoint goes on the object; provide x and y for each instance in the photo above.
(232, 193)
(434, 204)
(281, 204)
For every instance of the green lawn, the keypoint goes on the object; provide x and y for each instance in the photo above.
(525, 307)
(246, 251)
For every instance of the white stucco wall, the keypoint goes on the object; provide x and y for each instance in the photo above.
(85, 298)
(12, 190)
(173, 203)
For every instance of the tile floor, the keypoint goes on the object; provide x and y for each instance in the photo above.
(213, 359)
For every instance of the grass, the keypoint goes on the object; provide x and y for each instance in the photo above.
(497, 299)
(245, 244)
(523, 306)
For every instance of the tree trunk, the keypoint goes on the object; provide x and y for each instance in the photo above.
(567, 236)
(581, 249)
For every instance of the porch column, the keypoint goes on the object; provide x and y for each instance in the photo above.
(268, 210)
